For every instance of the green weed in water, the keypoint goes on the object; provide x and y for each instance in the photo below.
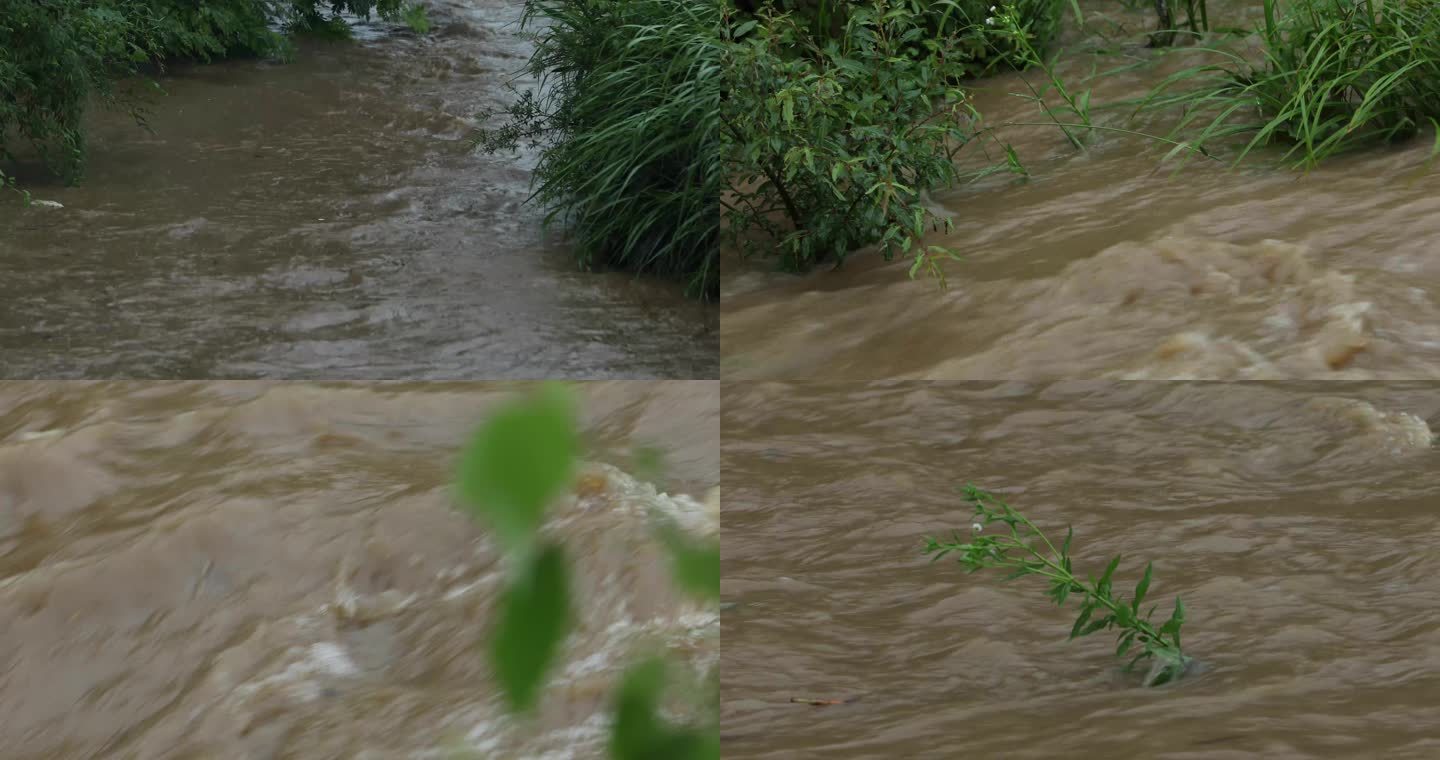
(1025, 550)
(522, 459)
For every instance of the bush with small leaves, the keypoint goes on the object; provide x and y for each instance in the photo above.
(828, 150)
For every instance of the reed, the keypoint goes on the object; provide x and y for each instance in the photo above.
(1333, 76)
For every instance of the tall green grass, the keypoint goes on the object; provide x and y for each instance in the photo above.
(1334, 76)
(628, 127)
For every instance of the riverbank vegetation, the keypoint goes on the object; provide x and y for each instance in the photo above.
(626, 128)
(1334, 76)
(58, 57)
(840, 117)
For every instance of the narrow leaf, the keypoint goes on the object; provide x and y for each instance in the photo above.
(1081, 621)
(1104, 582)
(1096, 625)
(1141, 588)
(696, 562)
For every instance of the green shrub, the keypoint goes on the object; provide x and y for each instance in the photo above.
(53, 56)
(840, 140)
(1335, 75)
(626, 123)
(960, 22)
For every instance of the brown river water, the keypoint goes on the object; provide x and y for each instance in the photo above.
(1106, 264)
(255, 570)
(1296, 519)
(325, 219)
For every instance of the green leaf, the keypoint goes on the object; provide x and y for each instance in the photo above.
(521, 459)
(1103, 585)
(1177, 619)
(696, 562)
(1081, 621)
(1069, 534)
(1096, 625)
(534, 620)
(1126, 640)
(1020, 572)
(648, 463)
(639, 733)
(1124, 617)
(1141, 588)
(1061, 592)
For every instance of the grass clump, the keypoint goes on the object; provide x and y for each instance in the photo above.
(1028, 551)
(625, 119)
(1335, 75)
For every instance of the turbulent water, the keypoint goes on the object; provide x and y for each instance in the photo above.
(1105, 264)
(1295, 519)
(251, 570)
(325, 219)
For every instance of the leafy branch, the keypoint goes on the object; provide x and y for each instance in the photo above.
(1026, 550)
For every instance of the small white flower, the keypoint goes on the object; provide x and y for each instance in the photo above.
(992, 9)
(977, 527)
(990, 21)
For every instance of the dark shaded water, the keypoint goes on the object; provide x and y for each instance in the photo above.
(325, 219)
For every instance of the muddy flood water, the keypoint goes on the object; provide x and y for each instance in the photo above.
(1296, 520)
(250, 570)
(325, 219)
(1104, 264)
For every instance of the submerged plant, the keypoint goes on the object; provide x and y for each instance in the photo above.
(1026, 550)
